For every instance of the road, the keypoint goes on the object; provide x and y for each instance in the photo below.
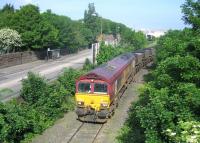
(11, 77)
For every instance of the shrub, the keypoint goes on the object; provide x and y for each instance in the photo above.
(168, 108)
(88, 65)
(109, 52)
(17, 121)
(10, 40)
(33, 88)
(68, 80)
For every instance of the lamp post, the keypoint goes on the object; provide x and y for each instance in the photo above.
(94, 47)
(101, 27)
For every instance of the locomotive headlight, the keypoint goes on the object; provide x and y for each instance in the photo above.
(104, 105)
(80, 103)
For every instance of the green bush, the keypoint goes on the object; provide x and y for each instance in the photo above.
(108, 52)
(169, 108)
(43, 104)
(68, 80)
(18, 121)
(177, 69)
(189, 133)
(33, 88)
(88, 65)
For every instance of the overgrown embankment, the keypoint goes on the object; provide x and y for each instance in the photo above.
(169, 105)
(42, 104)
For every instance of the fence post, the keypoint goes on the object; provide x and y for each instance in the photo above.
(21, 57)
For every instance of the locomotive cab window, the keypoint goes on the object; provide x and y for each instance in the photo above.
(100, 88)
(84, 87)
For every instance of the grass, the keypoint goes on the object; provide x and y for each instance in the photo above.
(151, 44)
(5, 92)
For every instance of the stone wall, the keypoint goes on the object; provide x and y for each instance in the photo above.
(17, 58)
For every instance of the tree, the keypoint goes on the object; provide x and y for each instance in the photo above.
(177, 69)
(106, 53)
(27, 21)
(192, 13)
(133, 38)
(49, 35)
(7, 14)
(84, 32)
(10, 40)
(69, 32)
(90, 20)
(8, 8)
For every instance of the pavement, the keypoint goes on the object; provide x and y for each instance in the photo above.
(11, 77)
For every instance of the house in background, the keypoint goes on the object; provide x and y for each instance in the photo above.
(109, 39)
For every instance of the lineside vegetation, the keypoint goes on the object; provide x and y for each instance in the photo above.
(42, 102)
(168, 109)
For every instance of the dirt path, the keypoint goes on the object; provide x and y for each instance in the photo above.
(64, 128)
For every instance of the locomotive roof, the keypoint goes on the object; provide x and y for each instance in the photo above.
(110, 70)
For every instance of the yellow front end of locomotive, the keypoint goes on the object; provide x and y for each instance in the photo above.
(94, 101)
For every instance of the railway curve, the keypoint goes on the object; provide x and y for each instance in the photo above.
(70, 130)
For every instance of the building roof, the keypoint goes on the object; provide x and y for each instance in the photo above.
(108, 38)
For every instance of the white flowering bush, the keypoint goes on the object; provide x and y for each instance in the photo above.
(188, 132)
(10, 40)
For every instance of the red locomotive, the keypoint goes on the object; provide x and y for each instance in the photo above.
(97, 92)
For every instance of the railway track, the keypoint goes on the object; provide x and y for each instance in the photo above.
(89, 132)
(70, 130)
(86, 133)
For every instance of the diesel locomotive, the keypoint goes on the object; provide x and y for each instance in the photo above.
(98, 92)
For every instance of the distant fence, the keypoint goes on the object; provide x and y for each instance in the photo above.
(12, 59)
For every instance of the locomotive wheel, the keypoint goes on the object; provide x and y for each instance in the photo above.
(111, 113)
(117, 104)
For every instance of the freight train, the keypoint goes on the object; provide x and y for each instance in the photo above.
(98, 92)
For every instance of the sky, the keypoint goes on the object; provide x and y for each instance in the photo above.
(136, 14)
